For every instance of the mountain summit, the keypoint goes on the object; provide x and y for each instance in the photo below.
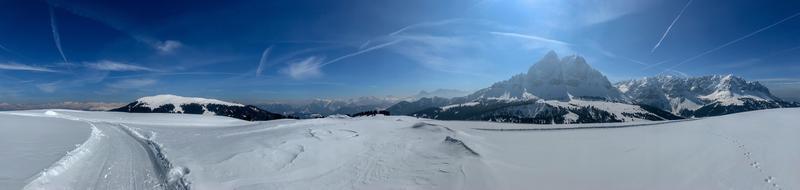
(554, 90)
(554, 78)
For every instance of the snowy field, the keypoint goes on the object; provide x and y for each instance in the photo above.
(752, 150)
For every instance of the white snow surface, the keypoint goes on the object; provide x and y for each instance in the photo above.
(751, 150)
(445, 108)
(614, 108)
(156, 101)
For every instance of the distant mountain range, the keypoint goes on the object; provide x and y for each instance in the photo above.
(569, 90)
(324, 107)
(701, 96)
(89, 106)
(553, 90)
(190, 105)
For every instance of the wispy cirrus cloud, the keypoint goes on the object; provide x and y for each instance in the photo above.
(22, 67)
(49, 87)
(167, 46)
(106, 65)
(56, 35)
(306, 68)
(263, 61)
(132, 83)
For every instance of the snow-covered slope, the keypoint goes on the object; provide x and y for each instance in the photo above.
(700, 96)
(190, 105)
(545, 111)
(752, 150)
(155, 102)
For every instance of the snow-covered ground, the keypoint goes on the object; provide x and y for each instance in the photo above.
(751, 150)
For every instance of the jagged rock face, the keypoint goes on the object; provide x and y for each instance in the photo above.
(184, 105)
(552, 78)
(692, 96)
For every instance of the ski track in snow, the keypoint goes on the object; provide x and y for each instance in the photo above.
(114, 157)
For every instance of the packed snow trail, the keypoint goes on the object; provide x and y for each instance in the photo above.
(114, 157)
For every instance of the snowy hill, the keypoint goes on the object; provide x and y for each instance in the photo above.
(554, 90)
(190, 105)
(752, 150)
(701, 96)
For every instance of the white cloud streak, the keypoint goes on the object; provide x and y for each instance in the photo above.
(666, 32)
(306, 68)
(531, 37)
(49, 87)
(263, 61)
(56, 36)
(21, 67)
(733, 42)
(167, 46)
(106, 65)
(133, 83)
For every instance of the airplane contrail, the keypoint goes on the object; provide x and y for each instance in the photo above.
(424, 24)
(263, 60)
(56, 37)
(670, 26)
(734, 41)
(531, 37)
(376, 47)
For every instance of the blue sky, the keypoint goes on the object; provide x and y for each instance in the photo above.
(256, 51)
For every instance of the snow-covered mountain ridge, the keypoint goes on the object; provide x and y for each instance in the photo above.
(554, 90)
(168, 103)
(688, 95)
(569, 90)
